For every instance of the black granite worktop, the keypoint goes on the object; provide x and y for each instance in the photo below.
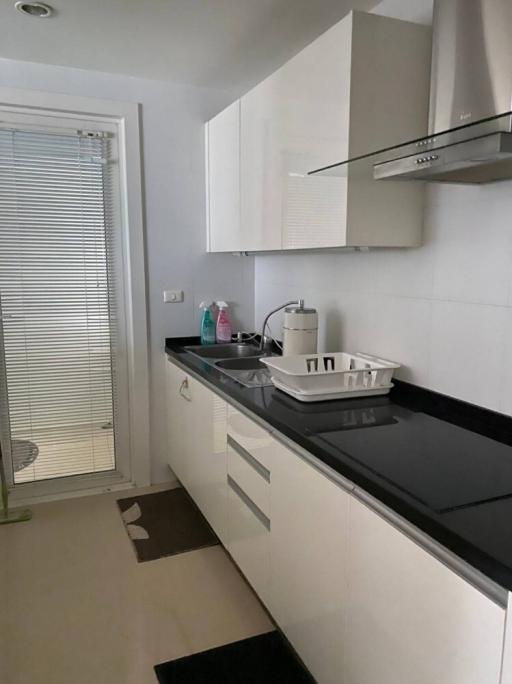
(442, 464)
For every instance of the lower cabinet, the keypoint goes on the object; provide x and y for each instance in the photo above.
(197, 444)
(179, 411)
(360, 601)
(249, 539)
(410, 618)
(309, 533)
(250, 455)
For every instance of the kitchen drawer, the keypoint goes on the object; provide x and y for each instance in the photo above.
(249, 435)
(249, 539)
(250, 475)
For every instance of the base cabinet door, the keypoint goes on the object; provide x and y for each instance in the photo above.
(179, 411)
(207, 455)
(309, 563)
(249, 539)
(411, 619)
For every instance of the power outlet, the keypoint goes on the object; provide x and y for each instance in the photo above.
(173, 296)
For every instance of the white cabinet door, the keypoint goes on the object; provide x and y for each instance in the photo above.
(314, 132)
(207, 454)
(249, 539)
(309, 519)
(261, 168)
(178, 417)
(223, 181)
(411, 619)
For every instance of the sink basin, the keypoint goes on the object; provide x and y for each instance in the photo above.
(225, 351)
(247, 364)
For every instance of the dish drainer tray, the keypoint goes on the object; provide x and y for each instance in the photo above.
(315, 377)
(310, 397)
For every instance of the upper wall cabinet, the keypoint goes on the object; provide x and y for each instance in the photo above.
(223, 181)
(361, 86)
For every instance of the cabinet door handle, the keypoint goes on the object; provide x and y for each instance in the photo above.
(249, 459)
(255, 510)
(183, 389)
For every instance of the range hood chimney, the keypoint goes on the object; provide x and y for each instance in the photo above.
(471, 86)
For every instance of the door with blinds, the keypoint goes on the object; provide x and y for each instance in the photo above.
(60, 335)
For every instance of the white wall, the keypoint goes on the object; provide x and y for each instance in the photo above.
(173, 165)
(444, 310)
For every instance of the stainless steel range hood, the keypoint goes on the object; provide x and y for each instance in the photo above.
(470, 119)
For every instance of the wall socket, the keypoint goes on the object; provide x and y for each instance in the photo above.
(173, 296)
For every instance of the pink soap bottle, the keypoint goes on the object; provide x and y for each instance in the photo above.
(223, 328)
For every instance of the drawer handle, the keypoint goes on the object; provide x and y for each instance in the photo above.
(183, 388)
(255, 510)
(249, 458)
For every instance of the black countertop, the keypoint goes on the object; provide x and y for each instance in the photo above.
(442, 464)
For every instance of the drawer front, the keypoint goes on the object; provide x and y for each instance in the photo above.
(250, 436)
(250, 475)
(249, 539)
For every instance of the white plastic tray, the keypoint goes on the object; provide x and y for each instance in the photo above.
(329, 396)
(340, 372)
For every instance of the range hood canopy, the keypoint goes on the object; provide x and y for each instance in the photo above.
(479, 152)
(470, 124)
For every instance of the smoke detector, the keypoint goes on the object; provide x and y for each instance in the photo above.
(34, 9)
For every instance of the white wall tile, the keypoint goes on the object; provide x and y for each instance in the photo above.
(467, 351)
(473, 255)
(402, 334)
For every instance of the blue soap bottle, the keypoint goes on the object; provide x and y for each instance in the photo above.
(207, 328)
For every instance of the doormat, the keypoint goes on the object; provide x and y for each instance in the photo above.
(264, 659)
(164, 524)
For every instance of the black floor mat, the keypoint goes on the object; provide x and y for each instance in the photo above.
(264, 659)
(164, 524)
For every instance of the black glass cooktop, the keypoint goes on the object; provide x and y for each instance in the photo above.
(440, 465)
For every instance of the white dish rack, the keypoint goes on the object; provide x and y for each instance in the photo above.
(318, 377)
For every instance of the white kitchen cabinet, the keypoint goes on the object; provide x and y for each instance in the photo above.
(207, 465)
(260, 167)
(361, 86)
(250, 456)
(411, 618)
(309, 593)
(178, 419)
(197, 420)
(249, 539)
(222, 144)
(359, 600)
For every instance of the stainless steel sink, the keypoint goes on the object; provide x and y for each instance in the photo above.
(247, 364)
(240, 361)
(225, 351)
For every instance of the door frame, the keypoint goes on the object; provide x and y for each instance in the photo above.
(134, 462)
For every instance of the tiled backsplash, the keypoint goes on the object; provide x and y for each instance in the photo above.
(444, 310)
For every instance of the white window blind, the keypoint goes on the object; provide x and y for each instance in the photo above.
(57, 305)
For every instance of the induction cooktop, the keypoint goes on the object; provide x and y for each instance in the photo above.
(441, 465)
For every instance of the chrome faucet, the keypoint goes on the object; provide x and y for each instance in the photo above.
(265, 342)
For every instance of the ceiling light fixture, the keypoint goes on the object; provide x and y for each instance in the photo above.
(34, 9)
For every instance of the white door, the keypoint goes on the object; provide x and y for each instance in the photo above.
(412, 619)
(309, 563)
(63, 370)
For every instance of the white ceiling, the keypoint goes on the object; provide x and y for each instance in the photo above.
(228, 44)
